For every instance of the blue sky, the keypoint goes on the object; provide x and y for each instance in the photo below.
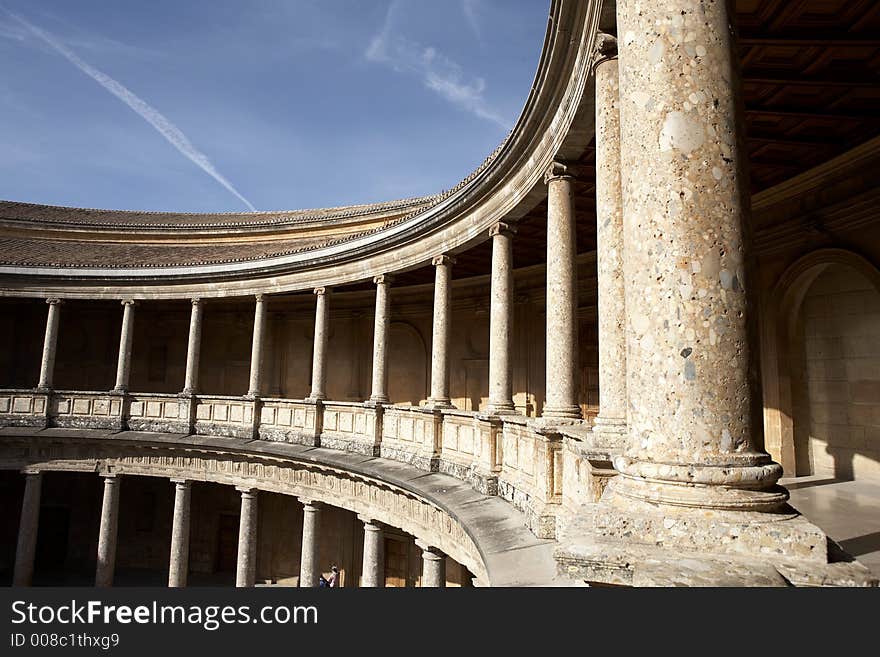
(211, 105)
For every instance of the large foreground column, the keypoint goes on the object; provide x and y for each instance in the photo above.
(440, 333)
(373, 569)
(501, 320)
(50, 345)
(106, 565)
(123, 363)
(256, 380)
(246, 567)
(562, 320)
(309, 567)
(28, 526)
(178, 566)
(322, 336)
(433, 566)
(193, 348)
(610, 424)
(381, 326)
(695, 502)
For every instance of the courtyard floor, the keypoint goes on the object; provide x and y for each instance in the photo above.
(848, 511)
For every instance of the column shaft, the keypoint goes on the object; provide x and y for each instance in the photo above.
(322, 336)
(107, 534)
(561, 389)
(246, 567)
(50, 345)
(179, 561)
(501, 320)
(193, 348)
(440, 332)
(257, 347)
(373, 570)
(28, 527)
(381, 327)
(691, 353)
(123, 364)
(610, 424)
(309, 567)
(433, 566)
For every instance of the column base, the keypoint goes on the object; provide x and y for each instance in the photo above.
(438, 404)
(621, 541)
(572, 412)
(503, 408)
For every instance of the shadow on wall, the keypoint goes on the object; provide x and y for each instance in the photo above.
(824, 386)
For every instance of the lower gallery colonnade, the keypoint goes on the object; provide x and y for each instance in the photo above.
(313, 559)
(665, 459)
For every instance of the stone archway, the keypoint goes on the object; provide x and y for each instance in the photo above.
(809, 412)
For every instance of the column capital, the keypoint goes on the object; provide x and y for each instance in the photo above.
(30, 471)
(110, 476)
(128, 302)
(501, 227)
(181, 482)
(369, 521)
(320, 291)
(310, 503)
(195, 301)
(605, 48)
(247, 491)
(444, 259)
(557, 171)
(259, 298)
(383, 279)
(54, 301)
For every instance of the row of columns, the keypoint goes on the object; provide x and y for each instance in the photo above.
(373, 566)
(561, 388)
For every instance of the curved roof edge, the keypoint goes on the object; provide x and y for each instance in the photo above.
(505, 186)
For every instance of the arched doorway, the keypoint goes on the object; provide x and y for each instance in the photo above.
(822, 381)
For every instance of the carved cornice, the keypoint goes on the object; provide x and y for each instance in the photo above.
(459, 218)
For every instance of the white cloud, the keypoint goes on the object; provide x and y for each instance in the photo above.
(151, 115)
(470, 9)
(437, 72)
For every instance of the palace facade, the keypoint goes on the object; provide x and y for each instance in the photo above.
(592, 361)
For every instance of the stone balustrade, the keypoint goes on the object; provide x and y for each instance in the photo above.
(295, 421)
(232, 417)
(544, 472)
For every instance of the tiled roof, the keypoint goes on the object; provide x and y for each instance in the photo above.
(55, 216)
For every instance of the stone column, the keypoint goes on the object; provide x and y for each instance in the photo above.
(179, 562)
(246, 567)
(373, 570)
(28, 527)
(694, 410)
(440, 333)
(257, 347)
(561, 389)
(610, 424)
(123, 364)
(309, 569)
(50, 345)
(107, 533)
(193, 348)
(381, 325)
(501, 320)
(322, 336)
(433, 566)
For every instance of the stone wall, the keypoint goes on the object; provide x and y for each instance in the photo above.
(836, 378)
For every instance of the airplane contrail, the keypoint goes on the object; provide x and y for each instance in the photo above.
(150, 114)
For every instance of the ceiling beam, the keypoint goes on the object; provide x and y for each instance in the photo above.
(802, 113)
(793, 79)
(807, 40)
